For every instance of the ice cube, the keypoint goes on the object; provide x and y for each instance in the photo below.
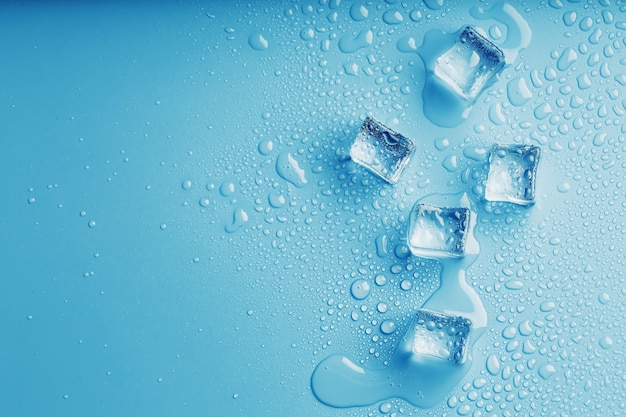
(512, 173)
(381, 150)
(438, 232)
(438, 335)
(469, 64)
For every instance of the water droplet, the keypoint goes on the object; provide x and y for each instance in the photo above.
(586, 24)
(31, 200)
(405, 285)
(393, 17)
(289, 170)
(569, 18)
(407, 44)
(266, 146)
(606, 342)
(186, 184)
(496, 115)
(584, 82)
(493, 365)
(240, 217)
(542, 111)
(349, 44)
(567, 58)
(381, 307)
(450, 163)
(604, 298)
(381, 245)
(380, 280)
(358, 12)
(509, 332)
(385, 408)
(276, 199)
(525, 329)
(434, 4)
(546, 371)
(307, 34)
(514, 284)
(227, 188)
(360, 289)
(563, 187)
(441, 143)
(258, 42)
(387, 327)
(92, 224)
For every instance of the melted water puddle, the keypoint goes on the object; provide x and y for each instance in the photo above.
(443, 106)
(421, 380)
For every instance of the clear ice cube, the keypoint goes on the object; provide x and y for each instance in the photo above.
(439, 335)
(381, 150)
(438, 232)
(512, 173)
(469, 64)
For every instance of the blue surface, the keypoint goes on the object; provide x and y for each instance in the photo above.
(182, 224)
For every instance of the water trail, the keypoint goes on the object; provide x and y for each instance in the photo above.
(422, 381)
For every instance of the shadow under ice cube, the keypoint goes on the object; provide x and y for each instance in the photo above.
(469, 64)
(381, 150)
(438, 232)
(512, 173)
(438, 335)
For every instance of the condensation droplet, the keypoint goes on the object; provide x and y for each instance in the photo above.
(258, 42)
(493, 365)
(387, 327)
(360, 289)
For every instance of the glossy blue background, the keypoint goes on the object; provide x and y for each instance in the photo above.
(107, 109)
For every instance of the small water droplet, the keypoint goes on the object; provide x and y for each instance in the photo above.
(289, 170)
(240, 217)
(385, 408)
(493, 365)
(360, 289)
(266, 146)
(358, 12)
(546, 371)
(227, 188)
(258, 42)
(606, 342)
(380, 280)
(387, 327)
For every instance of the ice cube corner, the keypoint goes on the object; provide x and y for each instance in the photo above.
(438, 232)
(381, 150)
(512, 173)
(469, 64)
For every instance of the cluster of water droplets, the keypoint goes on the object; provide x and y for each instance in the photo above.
(332, 233)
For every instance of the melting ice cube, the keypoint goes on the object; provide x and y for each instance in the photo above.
(469, 64)
(381, 150)
(438, 335)
(512, 173)
(438, 232)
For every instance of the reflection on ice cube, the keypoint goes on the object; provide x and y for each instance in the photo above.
(469, 64)
(512, 173)
(438, 232)
(438, 335)
(381, 150)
